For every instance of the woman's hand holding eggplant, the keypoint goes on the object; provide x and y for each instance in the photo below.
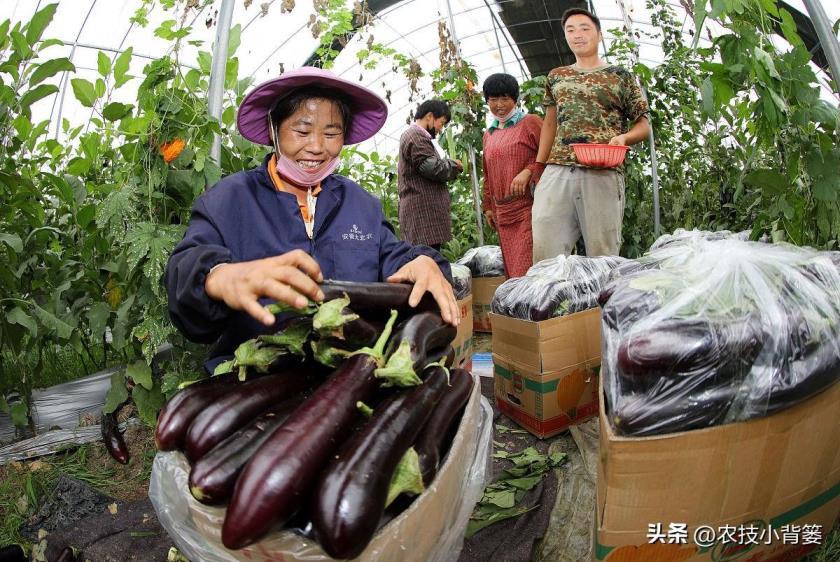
(291, 278)
(424, 272)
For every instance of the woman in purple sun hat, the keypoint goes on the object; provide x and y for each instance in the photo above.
(273, 233)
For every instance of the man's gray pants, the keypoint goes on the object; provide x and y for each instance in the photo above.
(570, 202)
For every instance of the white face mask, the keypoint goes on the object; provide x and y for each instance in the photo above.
(504, 118)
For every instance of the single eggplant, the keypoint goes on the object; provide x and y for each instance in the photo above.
(177, 415)
(213, 476)
(375, 300)
(350, 497)
(430, 443)
(113, 439)
(281, 473)
(240, 405)
(420, 340)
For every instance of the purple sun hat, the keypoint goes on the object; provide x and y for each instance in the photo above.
(369, 110)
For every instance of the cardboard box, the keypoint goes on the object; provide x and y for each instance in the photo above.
(769, 477)
(546, 373)
(483, 289)
(546, 403)
(463, 342)
(549, 345)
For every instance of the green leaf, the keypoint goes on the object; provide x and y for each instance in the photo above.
(121, 66)
(149, 403)
(500, 498)
(13, 241)
(103, 64)
(18, 316)
(117, 394)
(78, 166)
(37, 93)
(708, 93)
(4, 406)
(62, 329)
(115, 111)
(98, 316)
(50, 68)
(141, 374)
(224, 367)
(39, 22)
(770, 180)
(475, 525)
(234, 39)
(84, 91)
(99, 88)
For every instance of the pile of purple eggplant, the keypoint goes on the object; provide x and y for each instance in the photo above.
(326, 441)
(714, 331)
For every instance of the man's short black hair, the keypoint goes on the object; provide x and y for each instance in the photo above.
(439, 109)
(286, 106)
(500, 84)
(580, 12)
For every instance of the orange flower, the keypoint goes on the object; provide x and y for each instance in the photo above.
(470, 85)
(170, 150)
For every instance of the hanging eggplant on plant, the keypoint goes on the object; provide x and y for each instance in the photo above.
(113, 439)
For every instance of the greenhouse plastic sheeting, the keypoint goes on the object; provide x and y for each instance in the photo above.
(53, 441)
(61, 406)
(709, 332)
(436, 519)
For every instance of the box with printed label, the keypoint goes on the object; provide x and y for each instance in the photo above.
(546, 373)
(463, 342)
(762, 490)
(483, 289)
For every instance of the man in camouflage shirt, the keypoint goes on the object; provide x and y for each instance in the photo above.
(587, 102)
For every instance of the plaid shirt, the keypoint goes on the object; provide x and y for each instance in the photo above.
(424, 201)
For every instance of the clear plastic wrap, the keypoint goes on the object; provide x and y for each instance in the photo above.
(709, 332)
(484, 261)
(461, 280)
(430, 529)
(555, 287)
(681, 236)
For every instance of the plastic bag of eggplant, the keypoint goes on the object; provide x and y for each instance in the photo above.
(710, 332)
(555, 287)
(484, 261)
(328, 429)
(461, 280)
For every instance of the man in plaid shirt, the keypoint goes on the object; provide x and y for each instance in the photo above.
(422, 177)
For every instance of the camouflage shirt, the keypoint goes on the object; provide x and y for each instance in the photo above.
(592, 106)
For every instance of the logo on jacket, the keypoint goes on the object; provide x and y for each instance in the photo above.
(356, 234)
